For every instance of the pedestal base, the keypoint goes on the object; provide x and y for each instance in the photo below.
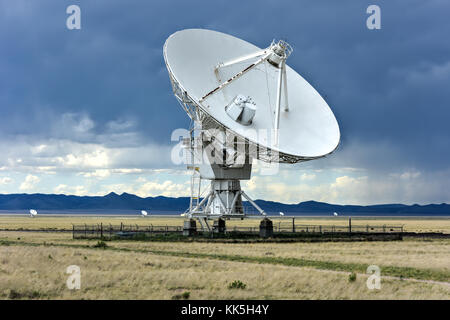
(266, 228)
(219, 226)
(189, 228)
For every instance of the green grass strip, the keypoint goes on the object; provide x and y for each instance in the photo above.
(394, 271)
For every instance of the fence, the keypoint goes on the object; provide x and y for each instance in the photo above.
(323, 229)
(288, 227)
(101, 231)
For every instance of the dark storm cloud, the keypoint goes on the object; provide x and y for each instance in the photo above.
(388, 88)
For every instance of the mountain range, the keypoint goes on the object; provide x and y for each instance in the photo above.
(126, 201)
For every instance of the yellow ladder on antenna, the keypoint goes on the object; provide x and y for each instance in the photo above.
(195, 187)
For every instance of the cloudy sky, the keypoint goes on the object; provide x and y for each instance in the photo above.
(91, 111)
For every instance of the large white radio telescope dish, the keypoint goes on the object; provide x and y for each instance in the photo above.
(33, 213)
(250, 105)
(197, 61)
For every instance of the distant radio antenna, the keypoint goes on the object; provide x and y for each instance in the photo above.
(144, 213)
(33, 213)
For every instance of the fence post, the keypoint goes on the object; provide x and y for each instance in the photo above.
(121, 226)
(293, 224)
(350, 225)
(367, 228)
(85, 231)
(73, 231)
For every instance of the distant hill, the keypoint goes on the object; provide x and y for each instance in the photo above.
(127, 201)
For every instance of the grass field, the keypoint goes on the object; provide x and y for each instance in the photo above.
(33, 265)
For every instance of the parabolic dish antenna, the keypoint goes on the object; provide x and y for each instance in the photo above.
(230, 87)
(144, 213)
(33, 213)
(201, 61)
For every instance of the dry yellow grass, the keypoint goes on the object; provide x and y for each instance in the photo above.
(40, 272)
(416, 253)
(433, 255)
(27, 271)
